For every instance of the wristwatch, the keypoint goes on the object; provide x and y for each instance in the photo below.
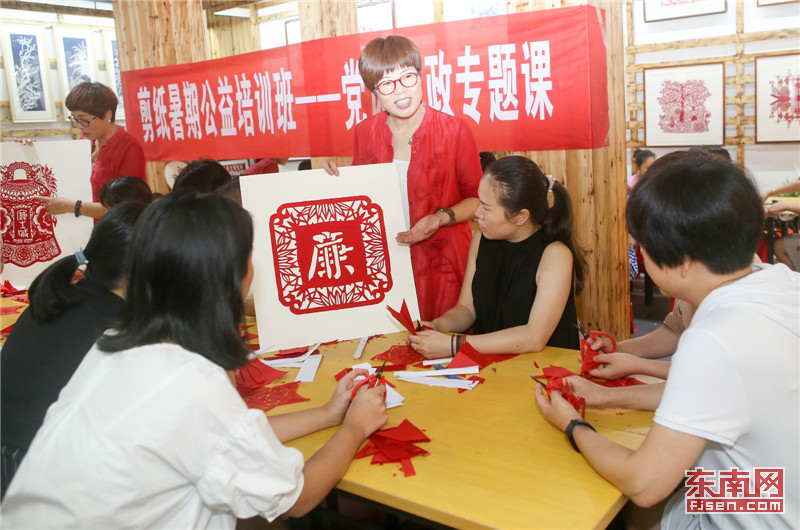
(450, 213)
(571, 427)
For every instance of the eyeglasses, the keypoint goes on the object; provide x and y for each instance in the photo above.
(408, 80)
(79, 122)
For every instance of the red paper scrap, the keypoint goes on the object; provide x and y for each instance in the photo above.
(268, 397)
(255, 375)
(21, 298)
(342, 373)
(11, 310)
(555, 381)
(6, 289)
(400, 354)
(5, 331)
(404, 317)
(588, 361)
(481, 359)
(536, 364)
(395, 444)
(625, 381)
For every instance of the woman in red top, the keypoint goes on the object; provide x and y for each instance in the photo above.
(115, 153)
(438, 165)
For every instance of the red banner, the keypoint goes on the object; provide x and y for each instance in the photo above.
(528, 81)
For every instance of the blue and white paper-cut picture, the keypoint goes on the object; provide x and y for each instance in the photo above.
(75, 56)
(27, 71)
(112, 70)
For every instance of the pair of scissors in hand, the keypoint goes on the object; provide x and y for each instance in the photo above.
(589, 335)
(371, 381)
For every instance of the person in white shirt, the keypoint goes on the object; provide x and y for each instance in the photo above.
(150, 432)
(731, 400)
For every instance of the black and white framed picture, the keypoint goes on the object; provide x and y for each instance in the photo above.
(27, 72)
(75, 56)
(112, 69)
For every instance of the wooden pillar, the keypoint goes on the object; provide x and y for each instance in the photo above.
(596, 179)
(159, 33)
(327, 18)
(232, 35)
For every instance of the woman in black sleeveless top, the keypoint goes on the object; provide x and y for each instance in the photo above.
(523, 270)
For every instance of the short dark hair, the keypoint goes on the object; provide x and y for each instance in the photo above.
(94, 98)
(487, 157)
(304, 165)
(695, 206)
(384, 55)
(521, 185)
(202, 176)
(231, 190)
(122, 189)
(52, 292)
(716, 150)
(640, 155)
(188, 257)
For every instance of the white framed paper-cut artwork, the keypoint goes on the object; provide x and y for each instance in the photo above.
(75, 56)
(778, 99)
(28, 73)
(325, 257)
(32, 238)
(684, 105)
(112, 70)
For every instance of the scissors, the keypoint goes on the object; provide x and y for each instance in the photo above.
(586, 345)
(371, 381)
(540, 382)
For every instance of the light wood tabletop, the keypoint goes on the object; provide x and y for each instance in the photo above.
(494, 461)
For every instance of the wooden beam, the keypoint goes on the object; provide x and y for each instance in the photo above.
(214, 6)
(53, 8)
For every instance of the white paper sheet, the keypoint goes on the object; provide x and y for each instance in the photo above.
(309, 369)
(302, 270)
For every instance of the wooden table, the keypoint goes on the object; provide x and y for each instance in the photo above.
(494, 460)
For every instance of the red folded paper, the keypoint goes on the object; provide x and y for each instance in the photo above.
(6, 289)
(395, 444)
(268, 397)
(256, 374)
(399, 355)
(469, 356)
(404, 317)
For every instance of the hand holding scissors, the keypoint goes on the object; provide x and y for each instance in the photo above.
(590, 337)
(371, 381)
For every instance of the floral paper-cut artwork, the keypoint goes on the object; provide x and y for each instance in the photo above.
(330, 254)
(683, 107)
(785, 98)
(27, 228)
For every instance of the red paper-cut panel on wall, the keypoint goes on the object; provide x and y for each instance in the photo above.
(785, 93)
(27, 228)
(330, 254)
(683, 107)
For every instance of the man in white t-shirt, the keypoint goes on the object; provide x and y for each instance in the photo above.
(730, 405)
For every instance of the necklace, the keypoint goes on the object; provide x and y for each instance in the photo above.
(396, 128)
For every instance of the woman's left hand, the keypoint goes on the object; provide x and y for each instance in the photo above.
(557, 410)
(425, 228)
(431, 344)
(340, 400)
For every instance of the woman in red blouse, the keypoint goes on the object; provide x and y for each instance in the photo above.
(438, 165)
(115, 153)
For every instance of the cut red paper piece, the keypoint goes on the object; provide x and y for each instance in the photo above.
(255, 375)
(408, 467)
(625, 381)
(6, 289)
(404, 317)
(395, 445)
(291, 352)
(269, 397)
(343, 373)
(481, 359)
(588, 361)
(249, 336)
(555, 381)
(399, 354)
(405, 432)
(21, 298)
(473, 378)
(255, 346)
(334, 341)
(536, 364)
(11, 310)
(5, 331)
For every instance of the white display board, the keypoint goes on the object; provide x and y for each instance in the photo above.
(325, 257)
(32, 239)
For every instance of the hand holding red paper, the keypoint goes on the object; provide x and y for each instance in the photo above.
(340, 400)
(367, 412)
(371, 381)
(404, 317)
(588, 349)
(430, 344)
(557, 410)
(614, 366)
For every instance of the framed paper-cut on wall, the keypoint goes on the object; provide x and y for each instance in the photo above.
(32, 238)
(75, 56)
(112, 70)
(684, 105)
(778, 99)
(27, 71)
(325, 257)
(655, 10)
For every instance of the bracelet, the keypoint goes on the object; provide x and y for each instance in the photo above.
(450, 213)
(571, 427)
(78, 208)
